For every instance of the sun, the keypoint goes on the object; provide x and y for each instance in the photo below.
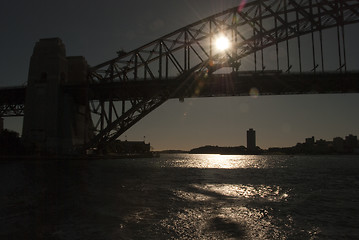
(222, 43)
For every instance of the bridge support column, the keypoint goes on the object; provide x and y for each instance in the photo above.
(55, 121)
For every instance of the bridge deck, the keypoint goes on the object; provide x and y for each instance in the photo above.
(236, 84)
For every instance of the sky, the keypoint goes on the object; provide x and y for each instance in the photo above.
(97, 29)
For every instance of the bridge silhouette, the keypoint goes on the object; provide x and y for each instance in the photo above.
(276, 47)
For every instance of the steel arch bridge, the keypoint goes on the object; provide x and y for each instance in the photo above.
(188, 55)
(276, 47)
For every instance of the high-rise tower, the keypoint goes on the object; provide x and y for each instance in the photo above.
(251, 140)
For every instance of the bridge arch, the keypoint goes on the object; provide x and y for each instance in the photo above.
(181, 57)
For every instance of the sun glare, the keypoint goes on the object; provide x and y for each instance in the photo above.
(222, 43)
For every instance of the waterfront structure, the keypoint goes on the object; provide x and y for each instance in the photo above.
(251, 140)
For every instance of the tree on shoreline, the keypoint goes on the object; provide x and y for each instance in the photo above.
(10, 143)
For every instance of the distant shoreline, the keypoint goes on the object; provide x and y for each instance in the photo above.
(75, 157)
(155, 154)
(264, 153)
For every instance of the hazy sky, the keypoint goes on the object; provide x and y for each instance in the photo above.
(97, 29)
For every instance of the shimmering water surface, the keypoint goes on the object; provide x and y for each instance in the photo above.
(182, 197)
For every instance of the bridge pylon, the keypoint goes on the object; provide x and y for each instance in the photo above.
(55, 122)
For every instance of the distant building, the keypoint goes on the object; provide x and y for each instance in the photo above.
(251, 140)
(349, 145)
(129, 147)
(338, 144)
(309, 141)
(322, 146)
(1, 124)
(351, 142)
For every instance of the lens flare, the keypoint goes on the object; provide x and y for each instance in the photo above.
(254, 92)
(242, 5)
(222, 43)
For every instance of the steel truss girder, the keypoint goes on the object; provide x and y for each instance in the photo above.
(110, 127)
(331, 14)
(12, 101)
(190, 49)
(115, 128)
(12, 110)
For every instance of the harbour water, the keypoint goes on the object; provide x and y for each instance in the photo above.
(181, 197)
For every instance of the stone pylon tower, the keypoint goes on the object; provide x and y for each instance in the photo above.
(56, 119)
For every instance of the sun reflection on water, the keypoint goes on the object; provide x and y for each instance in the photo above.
(217, 161)
(220, 161)
(211, 191)
(232, 211)
(229, 196)
(232, 195)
